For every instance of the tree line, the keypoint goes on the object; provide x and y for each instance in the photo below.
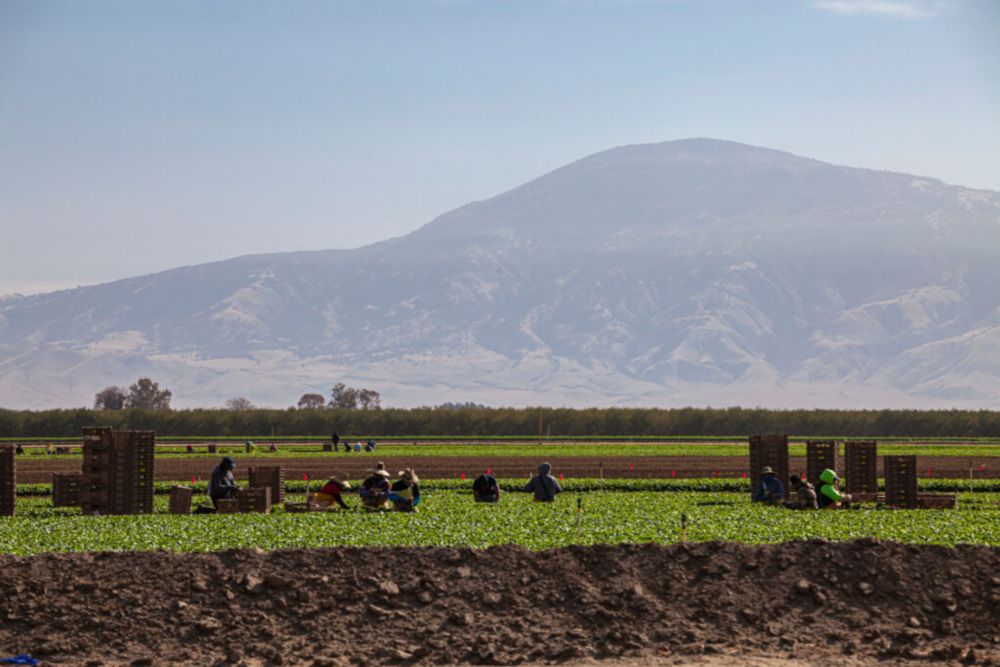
(482, 421)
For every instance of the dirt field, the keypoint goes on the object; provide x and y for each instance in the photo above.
(35, 470)
(707, 604)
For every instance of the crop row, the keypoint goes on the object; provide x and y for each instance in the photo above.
(449, 518)
(581, 485)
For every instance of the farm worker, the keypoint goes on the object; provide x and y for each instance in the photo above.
(370, 446)
(769, 489)
(805, 495)
(332, 492)
(223, 483)
(272, 448)
(829, 490)
(357, 446)
(375, 489)
(543, 485)
(405, 492)
(485, 489)
(335, 439)
(248, 446)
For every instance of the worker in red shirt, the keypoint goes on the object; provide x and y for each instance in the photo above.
(332, 492)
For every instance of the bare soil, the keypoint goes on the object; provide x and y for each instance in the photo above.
(35, 470)
(701, 604)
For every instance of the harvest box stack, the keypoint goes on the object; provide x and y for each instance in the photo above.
(255, 500)
(768, 450)
(180, 499)
(66, 489)
(901, 481)
(861, 458)
(117, 471)
(820, 454)
(8, 480)
(272, 477)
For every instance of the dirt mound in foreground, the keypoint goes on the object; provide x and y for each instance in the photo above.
(810, 600)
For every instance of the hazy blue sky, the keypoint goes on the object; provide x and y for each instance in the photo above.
(138, 136)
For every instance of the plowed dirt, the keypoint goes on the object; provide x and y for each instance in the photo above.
(829, 603)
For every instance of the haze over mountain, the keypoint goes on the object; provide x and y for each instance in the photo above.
(690, 272)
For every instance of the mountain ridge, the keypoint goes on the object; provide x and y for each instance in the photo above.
(650, 274)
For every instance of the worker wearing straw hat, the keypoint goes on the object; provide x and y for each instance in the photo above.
(375, 489)
(769, 489)
(405, 492)
(332, 492)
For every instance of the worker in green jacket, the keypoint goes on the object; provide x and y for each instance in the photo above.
(829, 494)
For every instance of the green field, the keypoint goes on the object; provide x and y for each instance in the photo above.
(449, 517)
(550, 450)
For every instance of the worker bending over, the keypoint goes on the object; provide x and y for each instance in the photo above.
(223, 483)
(332, 492)
(805, 494)
(485, 489)
(405, 492)
(375, 489)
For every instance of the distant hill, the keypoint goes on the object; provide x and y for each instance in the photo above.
(688, 272)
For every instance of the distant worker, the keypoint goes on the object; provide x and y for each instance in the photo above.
(335, 439)
(347, 446)
(769, 489)
(249, 447)
(543, 485)
(223, 483)
(485, 489)
(272, 448)
(829, 494)
(375, 489)
(370, 446)
(18, 449)
(357, 446)
(805, 494)
(405, 492)
(48, 448)
(332, 492)
(189, 449)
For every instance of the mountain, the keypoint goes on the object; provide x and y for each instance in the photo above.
(687, 272)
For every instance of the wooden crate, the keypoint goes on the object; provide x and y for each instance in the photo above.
(227, 506)
(901, 481)
(8, 480)
(861, 466)
(269, 476)
(66, 489)
(255, 500)
(820, 455)
(180, 499)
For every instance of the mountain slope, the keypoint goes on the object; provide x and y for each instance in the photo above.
(694, 271)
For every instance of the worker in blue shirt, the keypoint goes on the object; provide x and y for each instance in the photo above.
(769, 489)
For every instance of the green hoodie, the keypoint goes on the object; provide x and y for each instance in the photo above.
(828, 489)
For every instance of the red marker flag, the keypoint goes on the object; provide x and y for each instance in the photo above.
(193, 479)
(463, 475)
(561, 476)
(305, 477)
(928, 472)
(489, 472)
(743, 475)
(631, 466)
(673, 473)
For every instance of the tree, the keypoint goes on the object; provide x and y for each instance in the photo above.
(342, 396)
(311, 401)
(147, 395)
(369, 399)
(237, 404)
(110, 398)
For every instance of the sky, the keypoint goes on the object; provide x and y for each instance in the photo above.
(141, 135)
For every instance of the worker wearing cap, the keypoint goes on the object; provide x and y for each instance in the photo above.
(223, 482)
(769, 489)
(829, 494)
